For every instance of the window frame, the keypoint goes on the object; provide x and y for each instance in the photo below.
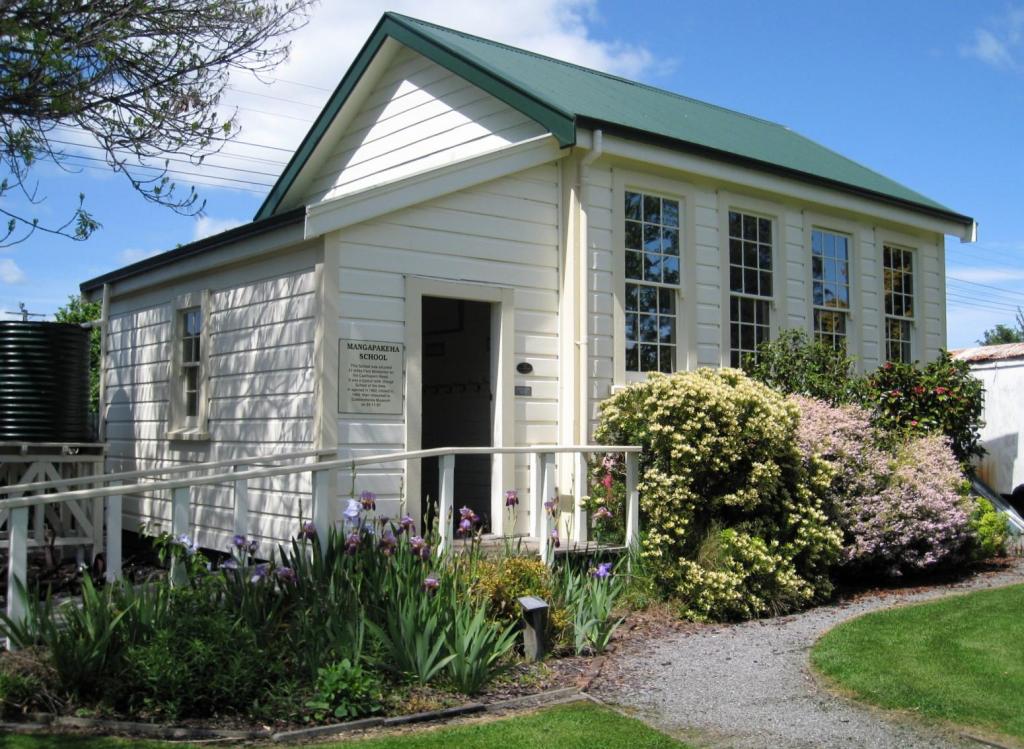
(915, 297)
(814, 307)
(855, 320)
(181, 426)
(927, 250)
(628, 181)
(775, 213)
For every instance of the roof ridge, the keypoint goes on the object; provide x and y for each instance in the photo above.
(584, 68)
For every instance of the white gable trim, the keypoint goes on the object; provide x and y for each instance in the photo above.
(337, 213)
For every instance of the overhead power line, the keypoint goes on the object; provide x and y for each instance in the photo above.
(172, 171)
(171, 159)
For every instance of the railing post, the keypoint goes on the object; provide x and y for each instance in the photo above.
(632, 498)
(17, 564)
(445, 500)
(579, 512)
(322, 505)
(241, 521)
(114, 520)
(179, 527)
(547, 467)
(536, 496)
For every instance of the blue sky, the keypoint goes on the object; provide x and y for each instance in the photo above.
(929, 93)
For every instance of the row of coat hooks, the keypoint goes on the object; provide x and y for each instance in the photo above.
(458, 388)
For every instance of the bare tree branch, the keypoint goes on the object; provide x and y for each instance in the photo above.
(143, 78)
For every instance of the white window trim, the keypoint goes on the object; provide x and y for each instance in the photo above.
(179, 427)
(686, 337)
(855, 319)
(776, 213)
(916, 245)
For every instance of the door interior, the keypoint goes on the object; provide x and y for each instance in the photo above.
(457, 400)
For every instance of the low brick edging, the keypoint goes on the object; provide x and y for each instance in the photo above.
(41, 722)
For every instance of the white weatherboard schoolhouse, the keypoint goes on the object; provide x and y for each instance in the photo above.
(475, 245)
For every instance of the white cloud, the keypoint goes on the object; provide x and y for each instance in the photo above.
(10, 272)
(207, 226)
(322, 51)
(998, 42)
(130, 256)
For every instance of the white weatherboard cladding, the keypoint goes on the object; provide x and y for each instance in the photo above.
(262, 321)
(703, 316)
(503, 233)
(418, 117)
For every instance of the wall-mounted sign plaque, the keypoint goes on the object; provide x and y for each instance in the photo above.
(370, 377)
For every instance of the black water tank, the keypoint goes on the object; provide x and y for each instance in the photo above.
(44, 382)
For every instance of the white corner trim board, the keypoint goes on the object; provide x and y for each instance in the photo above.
(365, 205)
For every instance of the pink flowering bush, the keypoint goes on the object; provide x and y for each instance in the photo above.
(903, 510)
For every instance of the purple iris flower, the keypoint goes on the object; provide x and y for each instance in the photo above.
(420, 547)
(602, 513)
(465, 527)
(286, 575)
(467, 514)
(352, 543)
(239, 541)
(551, 505)
(308, 531)
(368, 500)
(407, 524)
(259, 573)
(229, 564)
(431, 583)
(555, 539)
(388, 542)
(185, 542)
(511, 498)
(253, 546)
(602, 571)
(352, 511)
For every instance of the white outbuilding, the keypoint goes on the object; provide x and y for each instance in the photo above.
(1001, 370)
(475, 245)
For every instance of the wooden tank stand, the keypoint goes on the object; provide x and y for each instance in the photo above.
(67, 524)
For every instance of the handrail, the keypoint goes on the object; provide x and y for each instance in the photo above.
(109, 491)
(145, 472)
(542, 477)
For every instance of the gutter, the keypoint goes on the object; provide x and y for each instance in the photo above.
(596, 150)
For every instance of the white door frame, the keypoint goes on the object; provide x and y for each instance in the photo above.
(501, 300)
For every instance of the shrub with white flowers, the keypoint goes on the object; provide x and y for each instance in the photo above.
(733, 518)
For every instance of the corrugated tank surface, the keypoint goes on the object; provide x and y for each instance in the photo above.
(44, 382)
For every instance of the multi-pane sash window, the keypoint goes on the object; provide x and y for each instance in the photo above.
(652, 282)
(898, 283)
(830, 285)
(191, 362)
(750, 284)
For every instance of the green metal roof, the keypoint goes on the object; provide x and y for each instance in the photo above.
(560, 96)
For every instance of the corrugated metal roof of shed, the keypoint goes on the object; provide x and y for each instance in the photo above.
(999, 352)
(590, 94)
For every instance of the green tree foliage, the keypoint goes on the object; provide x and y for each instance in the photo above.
(904, 399)
(794, 363)
(140, 79)
(77, 310)
(1004, 333)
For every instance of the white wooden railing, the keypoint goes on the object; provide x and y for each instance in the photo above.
(21, 497)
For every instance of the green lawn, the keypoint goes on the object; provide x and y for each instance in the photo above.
(960, 659)
(581, 725)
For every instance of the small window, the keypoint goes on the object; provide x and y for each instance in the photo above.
(751, 284)
(652, 255)
(830, 286)
(898, 283)
(191, 361)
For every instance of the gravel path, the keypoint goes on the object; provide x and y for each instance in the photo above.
(750, 685)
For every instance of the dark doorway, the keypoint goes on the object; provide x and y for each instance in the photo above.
(457, 398)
